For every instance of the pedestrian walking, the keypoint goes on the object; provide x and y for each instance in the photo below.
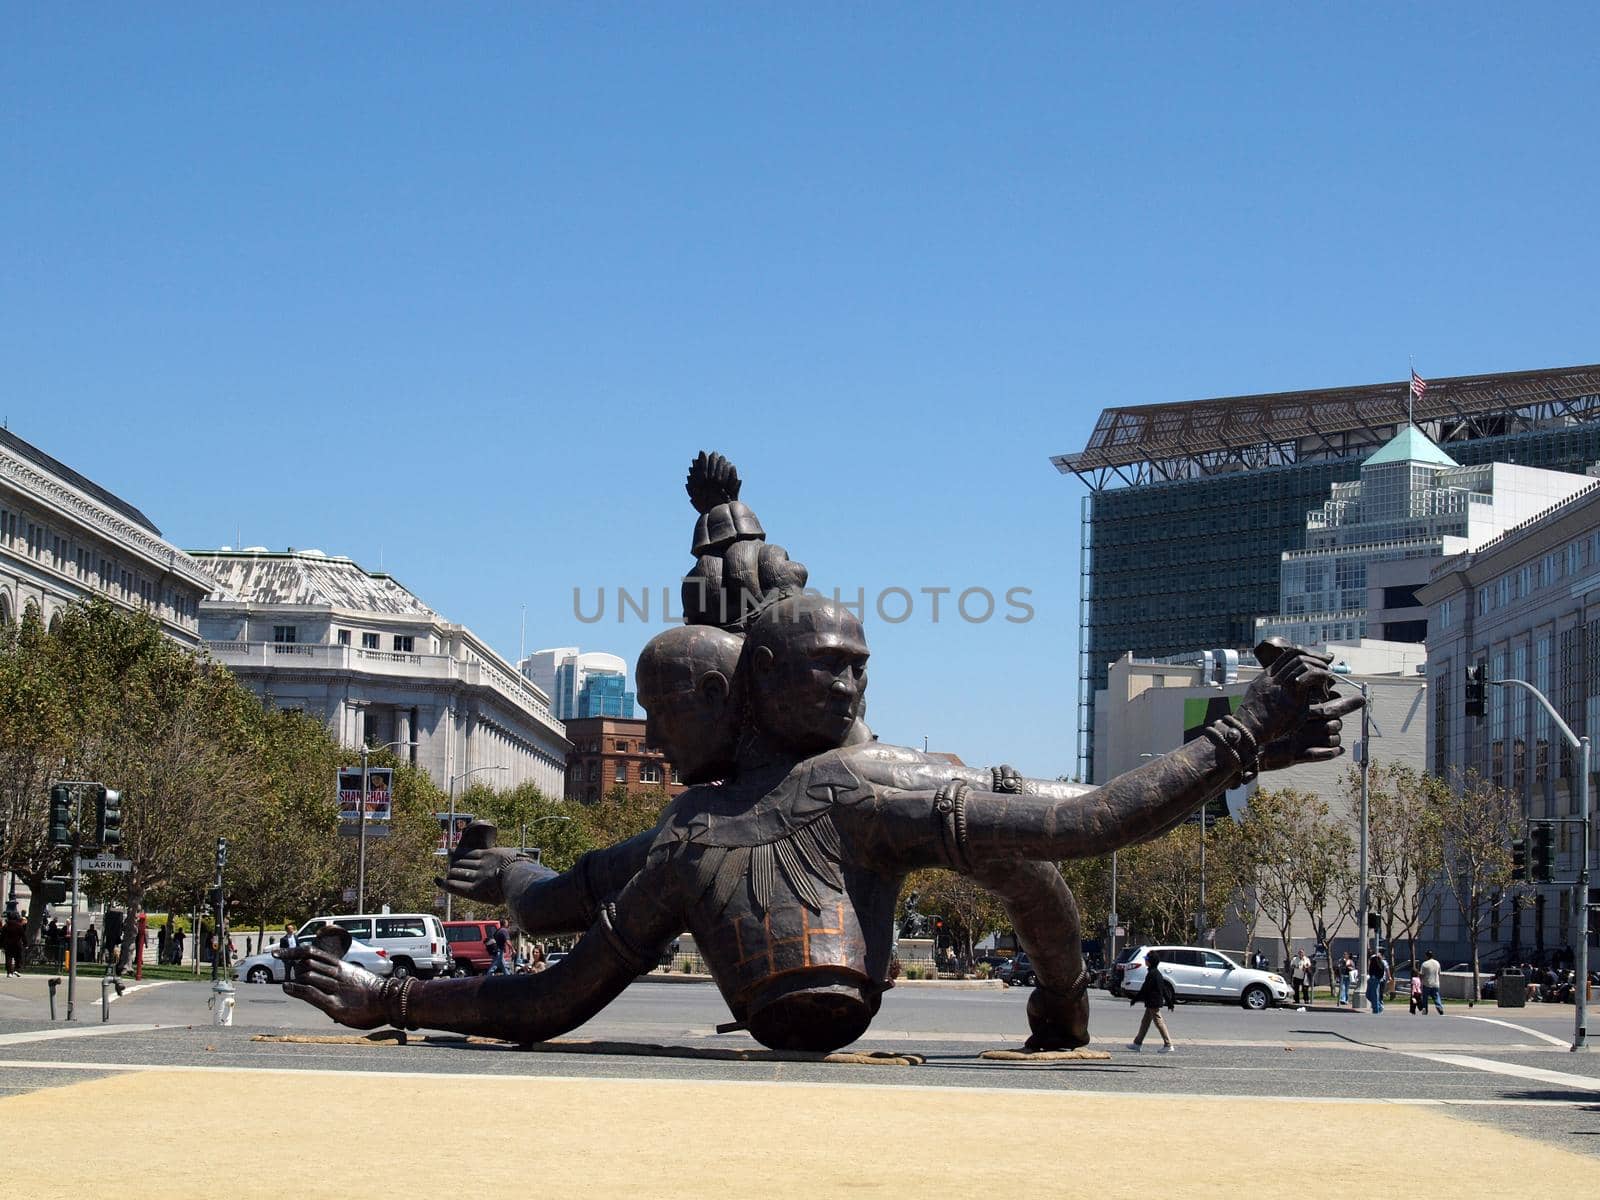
(177, 946)
(1430, 983)
(1155, 991)
(91, 943)
(288, 941)
(1377, 974)
(13, 934)
(497, 942)
(1348, 976)
(163, 941)
(1418, 1004)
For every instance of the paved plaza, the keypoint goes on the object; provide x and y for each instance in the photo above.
(1492, 1092)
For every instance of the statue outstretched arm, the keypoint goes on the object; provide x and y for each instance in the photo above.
(572, 900)
(541, 902)
(1285, 716)
(623, 943)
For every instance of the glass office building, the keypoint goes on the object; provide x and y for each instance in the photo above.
(1191, 505)
(604, 695)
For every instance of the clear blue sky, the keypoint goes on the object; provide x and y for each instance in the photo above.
(469, 292)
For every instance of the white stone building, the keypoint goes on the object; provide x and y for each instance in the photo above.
(64, 538)
(355, 648)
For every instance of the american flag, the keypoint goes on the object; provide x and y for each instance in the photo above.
(1418, 384)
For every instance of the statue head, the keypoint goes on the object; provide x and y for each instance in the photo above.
(685, 683)
(805, 671)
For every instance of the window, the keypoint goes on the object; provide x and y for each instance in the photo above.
(398, 927)
(403, 642)
(621, 775)
(1446, 613)
(284, 634)
(594, 772)
(676, 778)
(650, 773)
(1483, 600)
(344, 637)
(369, 641)
(622, 747)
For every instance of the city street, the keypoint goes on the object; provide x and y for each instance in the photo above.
(1499, 1081)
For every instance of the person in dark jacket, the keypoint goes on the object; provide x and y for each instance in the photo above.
(1155, 991)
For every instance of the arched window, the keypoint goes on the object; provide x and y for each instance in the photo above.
(5, 609)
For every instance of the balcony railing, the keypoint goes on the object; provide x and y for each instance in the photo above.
(438, 667)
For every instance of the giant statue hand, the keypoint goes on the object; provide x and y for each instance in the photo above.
(1290, 707)
(1279, 699)
(351, 995)
(477, 865)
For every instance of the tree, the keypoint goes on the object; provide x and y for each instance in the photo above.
(1327, 881)
(969, 912)
(1405, 842)
(1477, 821)
(1273, 836)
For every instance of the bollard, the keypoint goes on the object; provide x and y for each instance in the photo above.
(54, 984)
(107, 982)
(222, 1002)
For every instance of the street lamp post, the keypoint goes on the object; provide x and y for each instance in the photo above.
(1580, 995)
(450, 830)
(361, 836)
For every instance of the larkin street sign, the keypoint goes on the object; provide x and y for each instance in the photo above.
(105, 864)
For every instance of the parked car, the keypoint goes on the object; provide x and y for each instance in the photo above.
(264, 968)
(1199, 973)
(994, 961)
(415, 942)
(468, 950)
(1113, 983)
(1018, 972)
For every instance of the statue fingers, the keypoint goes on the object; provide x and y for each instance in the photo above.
(1321, 753)
(1337, 707)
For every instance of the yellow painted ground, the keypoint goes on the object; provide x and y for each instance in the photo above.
(316, 1135)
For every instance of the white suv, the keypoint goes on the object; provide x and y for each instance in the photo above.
(1198, 973)
(413, 942)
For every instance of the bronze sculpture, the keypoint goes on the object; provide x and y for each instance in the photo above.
(787, 855)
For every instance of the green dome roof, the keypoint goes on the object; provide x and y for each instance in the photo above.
(1410, 445)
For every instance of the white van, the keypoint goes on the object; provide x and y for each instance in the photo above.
(413, 942)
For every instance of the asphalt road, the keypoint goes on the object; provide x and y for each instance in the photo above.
(1506, 1068)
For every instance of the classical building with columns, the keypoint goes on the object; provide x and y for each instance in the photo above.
(309, 631)
(64, 538)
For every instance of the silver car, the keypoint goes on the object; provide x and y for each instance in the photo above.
(264, 968)
(1199, 973)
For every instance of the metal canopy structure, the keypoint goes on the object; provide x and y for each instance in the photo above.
(1160, 443)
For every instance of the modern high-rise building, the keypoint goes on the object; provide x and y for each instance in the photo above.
(592, 684)
(1191, 505)
(1373, 543)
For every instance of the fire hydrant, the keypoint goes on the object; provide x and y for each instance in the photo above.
(222, 1003)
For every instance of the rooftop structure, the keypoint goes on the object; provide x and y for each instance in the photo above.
(1192, 505)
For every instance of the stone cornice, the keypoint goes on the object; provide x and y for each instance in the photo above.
(78, 508)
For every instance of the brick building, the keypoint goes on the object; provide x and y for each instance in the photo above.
(608, 751)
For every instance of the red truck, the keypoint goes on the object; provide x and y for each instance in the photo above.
(466, 938)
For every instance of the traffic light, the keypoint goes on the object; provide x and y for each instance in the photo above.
(1476, 690)
(55, 890)
(108, 819)
(1519, 858)
(215, 898)
(1544, 852)
(61, 815)
(222, 853)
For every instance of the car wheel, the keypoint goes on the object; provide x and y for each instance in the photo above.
(1256, 997)
(402, 968)
(259, 974)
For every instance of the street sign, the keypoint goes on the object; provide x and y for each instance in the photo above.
(349, 895)
(105, 864)
(353, 829)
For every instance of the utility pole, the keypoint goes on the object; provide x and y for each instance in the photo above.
(361, 849)
(1358, 1002)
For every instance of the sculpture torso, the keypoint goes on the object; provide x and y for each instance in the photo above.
(796, 931)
